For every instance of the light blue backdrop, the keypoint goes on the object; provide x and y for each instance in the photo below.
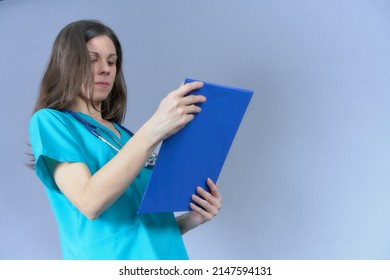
(308, 173)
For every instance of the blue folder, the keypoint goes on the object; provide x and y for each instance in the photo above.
(196, 152)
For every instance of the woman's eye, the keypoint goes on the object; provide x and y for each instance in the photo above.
(111, 63)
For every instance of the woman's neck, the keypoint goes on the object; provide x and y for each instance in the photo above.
(80, 105)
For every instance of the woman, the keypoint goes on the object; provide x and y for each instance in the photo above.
(95, 185)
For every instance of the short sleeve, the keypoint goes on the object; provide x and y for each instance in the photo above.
(51, 138)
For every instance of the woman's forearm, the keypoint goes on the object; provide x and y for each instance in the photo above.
(92, 194)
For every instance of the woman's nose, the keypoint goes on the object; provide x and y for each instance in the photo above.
(103, 68)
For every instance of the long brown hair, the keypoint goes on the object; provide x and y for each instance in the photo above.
(69, 71)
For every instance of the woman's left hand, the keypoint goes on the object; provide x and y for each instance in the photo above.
(205, 208)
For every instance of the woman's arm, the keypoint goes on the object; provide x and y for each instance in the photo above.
(210, 203)
(93, 194)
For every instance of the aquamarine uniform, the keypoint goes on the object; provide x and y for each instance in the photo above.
(119, 232)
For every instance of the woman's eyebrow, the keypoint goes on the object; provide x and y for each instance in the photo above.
(98, 54)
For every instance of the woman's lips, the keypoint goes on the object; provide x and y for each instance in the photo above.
(102, 84)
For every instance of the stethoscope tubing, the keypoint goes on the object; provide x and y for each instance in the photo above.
(93, 130)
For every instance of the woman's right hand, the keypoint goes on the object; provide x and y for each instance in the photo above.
(176, 110)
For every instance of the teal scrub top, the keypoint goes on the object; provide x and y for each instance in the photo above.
(119, 232)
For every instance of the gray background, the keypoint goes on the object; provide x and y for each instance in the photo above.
(308, 173)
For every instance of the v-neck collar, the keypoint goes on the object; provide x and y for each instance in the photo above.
(108, 130)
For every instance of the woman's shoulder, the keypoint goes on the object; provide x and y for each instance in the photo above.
(47, 112)
(49, 116)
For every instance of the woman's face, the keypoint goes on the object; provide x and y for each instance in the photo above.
(103, 57)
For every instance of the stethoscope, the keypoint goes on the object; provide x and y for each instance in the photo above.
(93, 129)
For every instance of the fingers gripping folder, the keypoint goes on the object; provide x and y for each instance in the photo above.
(198, 151)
